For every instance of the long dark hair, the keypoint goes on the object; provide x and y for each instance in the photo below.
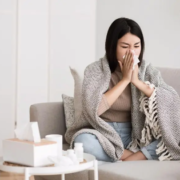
(117, 29)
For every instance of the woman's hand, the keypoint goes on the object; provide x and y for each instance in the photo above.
(135, 77)
(126, 66)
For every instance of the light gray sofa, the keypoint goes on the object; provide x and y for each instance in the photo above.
(50, 117)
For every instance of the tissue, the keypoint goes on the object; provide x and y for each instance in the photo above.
(68, 159)
(135, 57)
(29, 132)
(61, 160)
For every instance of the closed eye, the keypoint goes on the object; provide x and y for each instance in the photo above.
(127, 47)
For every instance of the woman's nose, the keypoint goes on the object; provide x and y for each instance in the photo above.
(132, 50)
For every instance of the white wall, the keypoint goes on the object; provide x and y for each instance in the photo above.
(7, 69)
(39, 39)
(159, 21)
(72, 42)
(33, 59)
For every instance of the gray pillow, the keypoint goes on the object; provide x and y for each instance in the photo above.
(78, 75)
(68, 110)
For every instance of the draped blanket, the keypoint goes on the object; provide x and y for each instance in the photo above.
(155, 117)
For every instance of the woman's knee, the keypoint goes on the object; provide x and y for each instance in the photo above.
(87, 140)
(92, 146)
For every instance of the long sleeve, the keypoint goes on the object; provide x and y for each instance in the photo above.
(103, 105)
(120, 110)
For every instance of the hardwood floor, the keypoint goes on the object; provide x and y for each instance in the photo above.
(12, 176)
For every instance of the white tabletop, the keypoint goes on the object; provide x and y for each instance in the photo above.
(91, 162)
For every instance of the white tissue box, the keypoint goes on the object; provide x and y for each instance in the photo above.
(29, 153)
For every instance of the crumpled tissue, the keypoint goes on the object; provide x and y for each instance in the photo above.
(29, 132)
(64, 160)
(135, 57)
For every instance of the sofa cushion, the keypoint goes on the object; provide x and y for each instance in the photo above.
(78, 76)
(170, 77)
(68, 110)
(134, 170)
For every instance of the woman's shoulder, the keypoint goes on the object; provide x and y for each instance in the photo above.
(149, 68)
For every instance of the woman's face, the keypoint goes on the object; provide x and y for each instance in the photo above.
(128, 41)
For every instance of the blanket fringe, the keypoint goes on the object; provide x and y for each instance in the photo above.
(146, 136)
(133, 145)
(162, 149)
(151, 127)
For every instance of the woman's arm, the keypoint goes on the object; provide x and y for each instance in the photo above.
(110, 96)
(126, 68)
(116, 91)
(143, 87)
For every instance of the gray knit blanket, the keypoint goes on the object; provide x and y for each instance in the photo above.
(155, 117)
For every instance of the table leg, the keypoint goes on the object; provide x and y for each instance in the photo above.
(62, 176)
(95, 170)
(27, 175)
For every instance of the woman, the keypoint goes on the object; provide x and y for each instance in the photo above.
(120, 118)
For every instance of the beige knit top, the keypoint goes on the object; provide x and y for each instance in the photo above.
(120, 110)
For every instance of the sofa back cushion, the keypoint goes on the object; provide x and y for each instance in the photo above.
(171, 77)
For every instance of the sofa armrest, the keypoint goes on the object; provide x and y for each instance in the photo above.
(50, 118)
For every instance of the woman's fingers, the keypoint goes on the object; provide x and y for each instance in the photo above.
(127, 56)
(129, 61)
(132, 63)
(124, 61)
(120, 65)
